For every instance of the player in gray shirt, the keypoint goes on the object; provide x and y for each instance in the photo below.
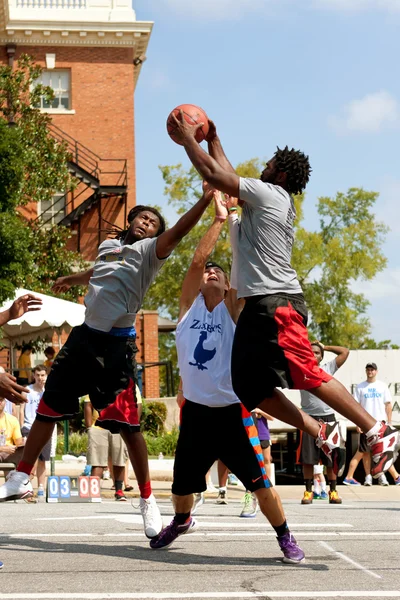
(98, 357)
(271, 347)
(308, 454)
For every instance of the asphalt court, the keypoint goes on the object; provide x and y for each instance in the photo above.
(94, 552)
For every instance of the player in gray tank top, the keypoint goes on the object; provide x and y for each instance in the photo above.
(271, 347)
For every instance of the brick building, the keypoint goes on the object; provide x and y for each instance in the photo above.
(92, 53)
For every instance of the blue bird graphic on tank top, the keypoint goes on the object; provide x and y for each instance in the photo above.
(202, 355)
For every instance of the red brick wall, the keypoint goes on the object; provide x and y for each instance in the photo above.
(147, 343)
(102, 90)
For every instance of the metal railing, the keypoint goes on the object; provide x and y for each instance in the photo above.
(109, 171)
(80, 154)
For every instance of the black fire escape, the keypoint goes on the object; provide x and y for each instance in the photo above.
(96, 179)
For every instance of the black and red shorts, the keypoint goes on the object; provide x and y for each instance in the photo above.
(100, 365)
(271, 349)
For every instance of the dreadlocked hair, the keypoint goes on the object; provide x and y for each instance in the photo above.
(133, 213)
(296, 165)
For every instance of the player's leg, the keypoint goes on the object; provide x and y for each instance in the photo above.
(194, 456)
(271, 349)
(349, 479)
(244, 458)
(267, 454)
(334, 497)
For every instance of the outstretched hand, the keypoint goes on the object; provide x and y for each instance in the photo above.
(24, 304)
(10, 389)
(61, 285)
(184, 131)
(212, 131)
(221, 210)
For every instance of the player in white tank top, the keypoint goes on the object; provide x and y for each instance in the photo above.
(212, 425)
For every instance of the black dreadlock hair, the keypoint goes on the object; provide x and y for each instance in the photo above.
(296, 165)
(133, 213)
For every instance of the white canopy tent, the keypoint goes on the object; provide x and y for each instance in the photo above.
(55, 315)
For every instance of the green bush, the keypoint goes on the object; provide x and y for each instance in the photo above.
(165, 443)
(78, 444)
(153, 417)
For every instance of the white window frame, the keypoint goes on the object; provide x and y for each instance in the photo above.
(56, 216)
(59, 92)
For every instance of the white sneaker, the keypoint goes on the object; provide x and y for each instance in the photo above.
(151, 516)
(368, 480)
(106, 475)
(198, 501)
(250, 506)
(18, 485)
(382, 480)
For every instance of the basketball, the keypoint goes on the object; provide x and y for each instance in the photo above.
(192, 114)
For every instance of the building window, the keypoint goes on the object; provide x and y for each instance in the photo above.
(53, 211)
(59, 81)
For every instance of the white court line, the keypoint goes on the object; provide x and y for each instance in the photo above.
(139, 534)
(213, 524)
(349, 560)
(194, 595)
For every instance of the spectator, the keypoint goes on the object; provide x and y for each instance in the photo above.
(24, 365)
(50, 355)
(28, 415)
(10, 408)
(374, 396)
(11, 440)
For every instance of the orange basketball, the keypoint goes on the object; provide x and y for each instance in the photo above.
(192, 114)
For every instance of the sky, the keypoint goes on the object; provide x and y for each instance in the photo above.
(319, 75)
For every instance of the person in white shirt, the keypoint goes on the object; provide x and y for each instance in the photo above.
(214, 423)
(375, 397)
(27, 416)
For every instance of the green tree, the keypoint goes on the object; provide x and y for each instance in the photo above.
(347, 247)
(33, 166)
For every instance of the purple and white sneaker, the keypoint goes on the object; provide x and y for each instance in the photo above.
(292, 553)
(171, 532)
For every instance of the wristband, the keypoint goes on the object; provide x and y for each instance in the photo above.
(232, 208)
(220, 218)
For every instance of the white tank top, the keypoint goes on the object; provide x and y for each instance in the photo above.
(31, 406)
(204, 344)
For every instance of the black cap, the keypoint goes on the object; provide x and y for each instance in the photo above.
(371, 366)
(210, 264)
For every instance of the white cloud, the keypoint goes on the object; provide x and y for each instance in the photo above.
(371, 114)
(385, 285)
(358, 5)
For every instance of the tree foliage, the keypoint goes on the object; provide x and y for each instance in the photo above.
(33, 166)
(347, 247)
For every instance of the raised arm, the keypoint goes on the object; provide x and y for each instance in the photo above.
(192, 281)
(220, 177)
(19, 307)
(168, 241)
(215, 148)
(62, 284)
(342, 354)
(234, 305)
